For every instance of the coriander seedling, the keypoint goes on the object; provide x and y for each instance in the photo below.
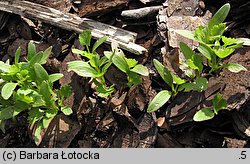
(204, 114)
(129, 66)
(176, 84)
(95, 66)
(26, 86)
(213, 45)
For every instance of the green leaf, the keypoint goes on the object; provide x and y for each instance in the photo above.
(66, 110)
(198, 62)
(35, 114)
(219, 16)
(187, 34)
(133, 79)
(6, 113)
(202, 34)
(200, 84)
(38, 100)
(24, 91)
(228, 41)
(219, 103)
(66, 91)
(234, 67)
(164, 73)
(103, 60)
(159, 100)
(88, 55)
(131, 62)
(7, 90)
(19, 107)
(140, 69)
(46, 92)
(4, 67)
(206, 51)
(77, 51)
(187, 52)
(104, 91)
(17, 55)
(108, 54)
(40, 72)
(217, 31)
(31, 50)
(46, 122)
(37, 134)
(120, 62)
(82, 69)
(98, 43)
(203, 115)
(45, 55)
(54, 77)
(85, 38)
(2, 125)
(178, 80)
(36, 59)
(224, 52)
(105, 67)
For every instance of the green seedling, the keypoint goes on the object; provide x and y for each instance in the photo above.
(176, 84)
(26, 86)
(204, 114)
(213, 45)
(95, 66)
(129, 66)
(193, 63)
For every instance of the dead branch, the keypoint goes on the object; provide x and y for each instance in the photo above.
(140, 13)
(71, 22)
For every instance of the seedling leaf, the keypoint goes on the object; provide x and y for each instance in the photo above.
(85, 38)
(224, 52)
(187, 34)
(31, 50)
(17, 55)
(6, 113)
(233, 67)
(54, 77)
(4, 67)
(82, 69)
(219, 16)
(41, 73)
(203, 115)
(120, 62)
(7, 90)
(219, 103)
(159, 100)
(66, 110)
(164, 73)
(45, 55)
(98, 43)
(140, 69)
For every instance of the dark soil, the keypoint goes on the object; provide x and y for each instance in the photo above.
(122, 120)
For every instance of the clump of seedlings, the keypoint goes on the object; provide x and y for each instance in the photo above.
(214, 47)
(27, 87)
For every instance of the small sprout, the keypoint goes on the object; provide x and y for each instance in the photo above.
(95, 66)
(127, 65)
(212, 44)
(204, 114)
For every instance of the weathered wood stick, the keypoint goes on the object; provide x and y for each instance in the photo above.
(71, 22)
(141, 12)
